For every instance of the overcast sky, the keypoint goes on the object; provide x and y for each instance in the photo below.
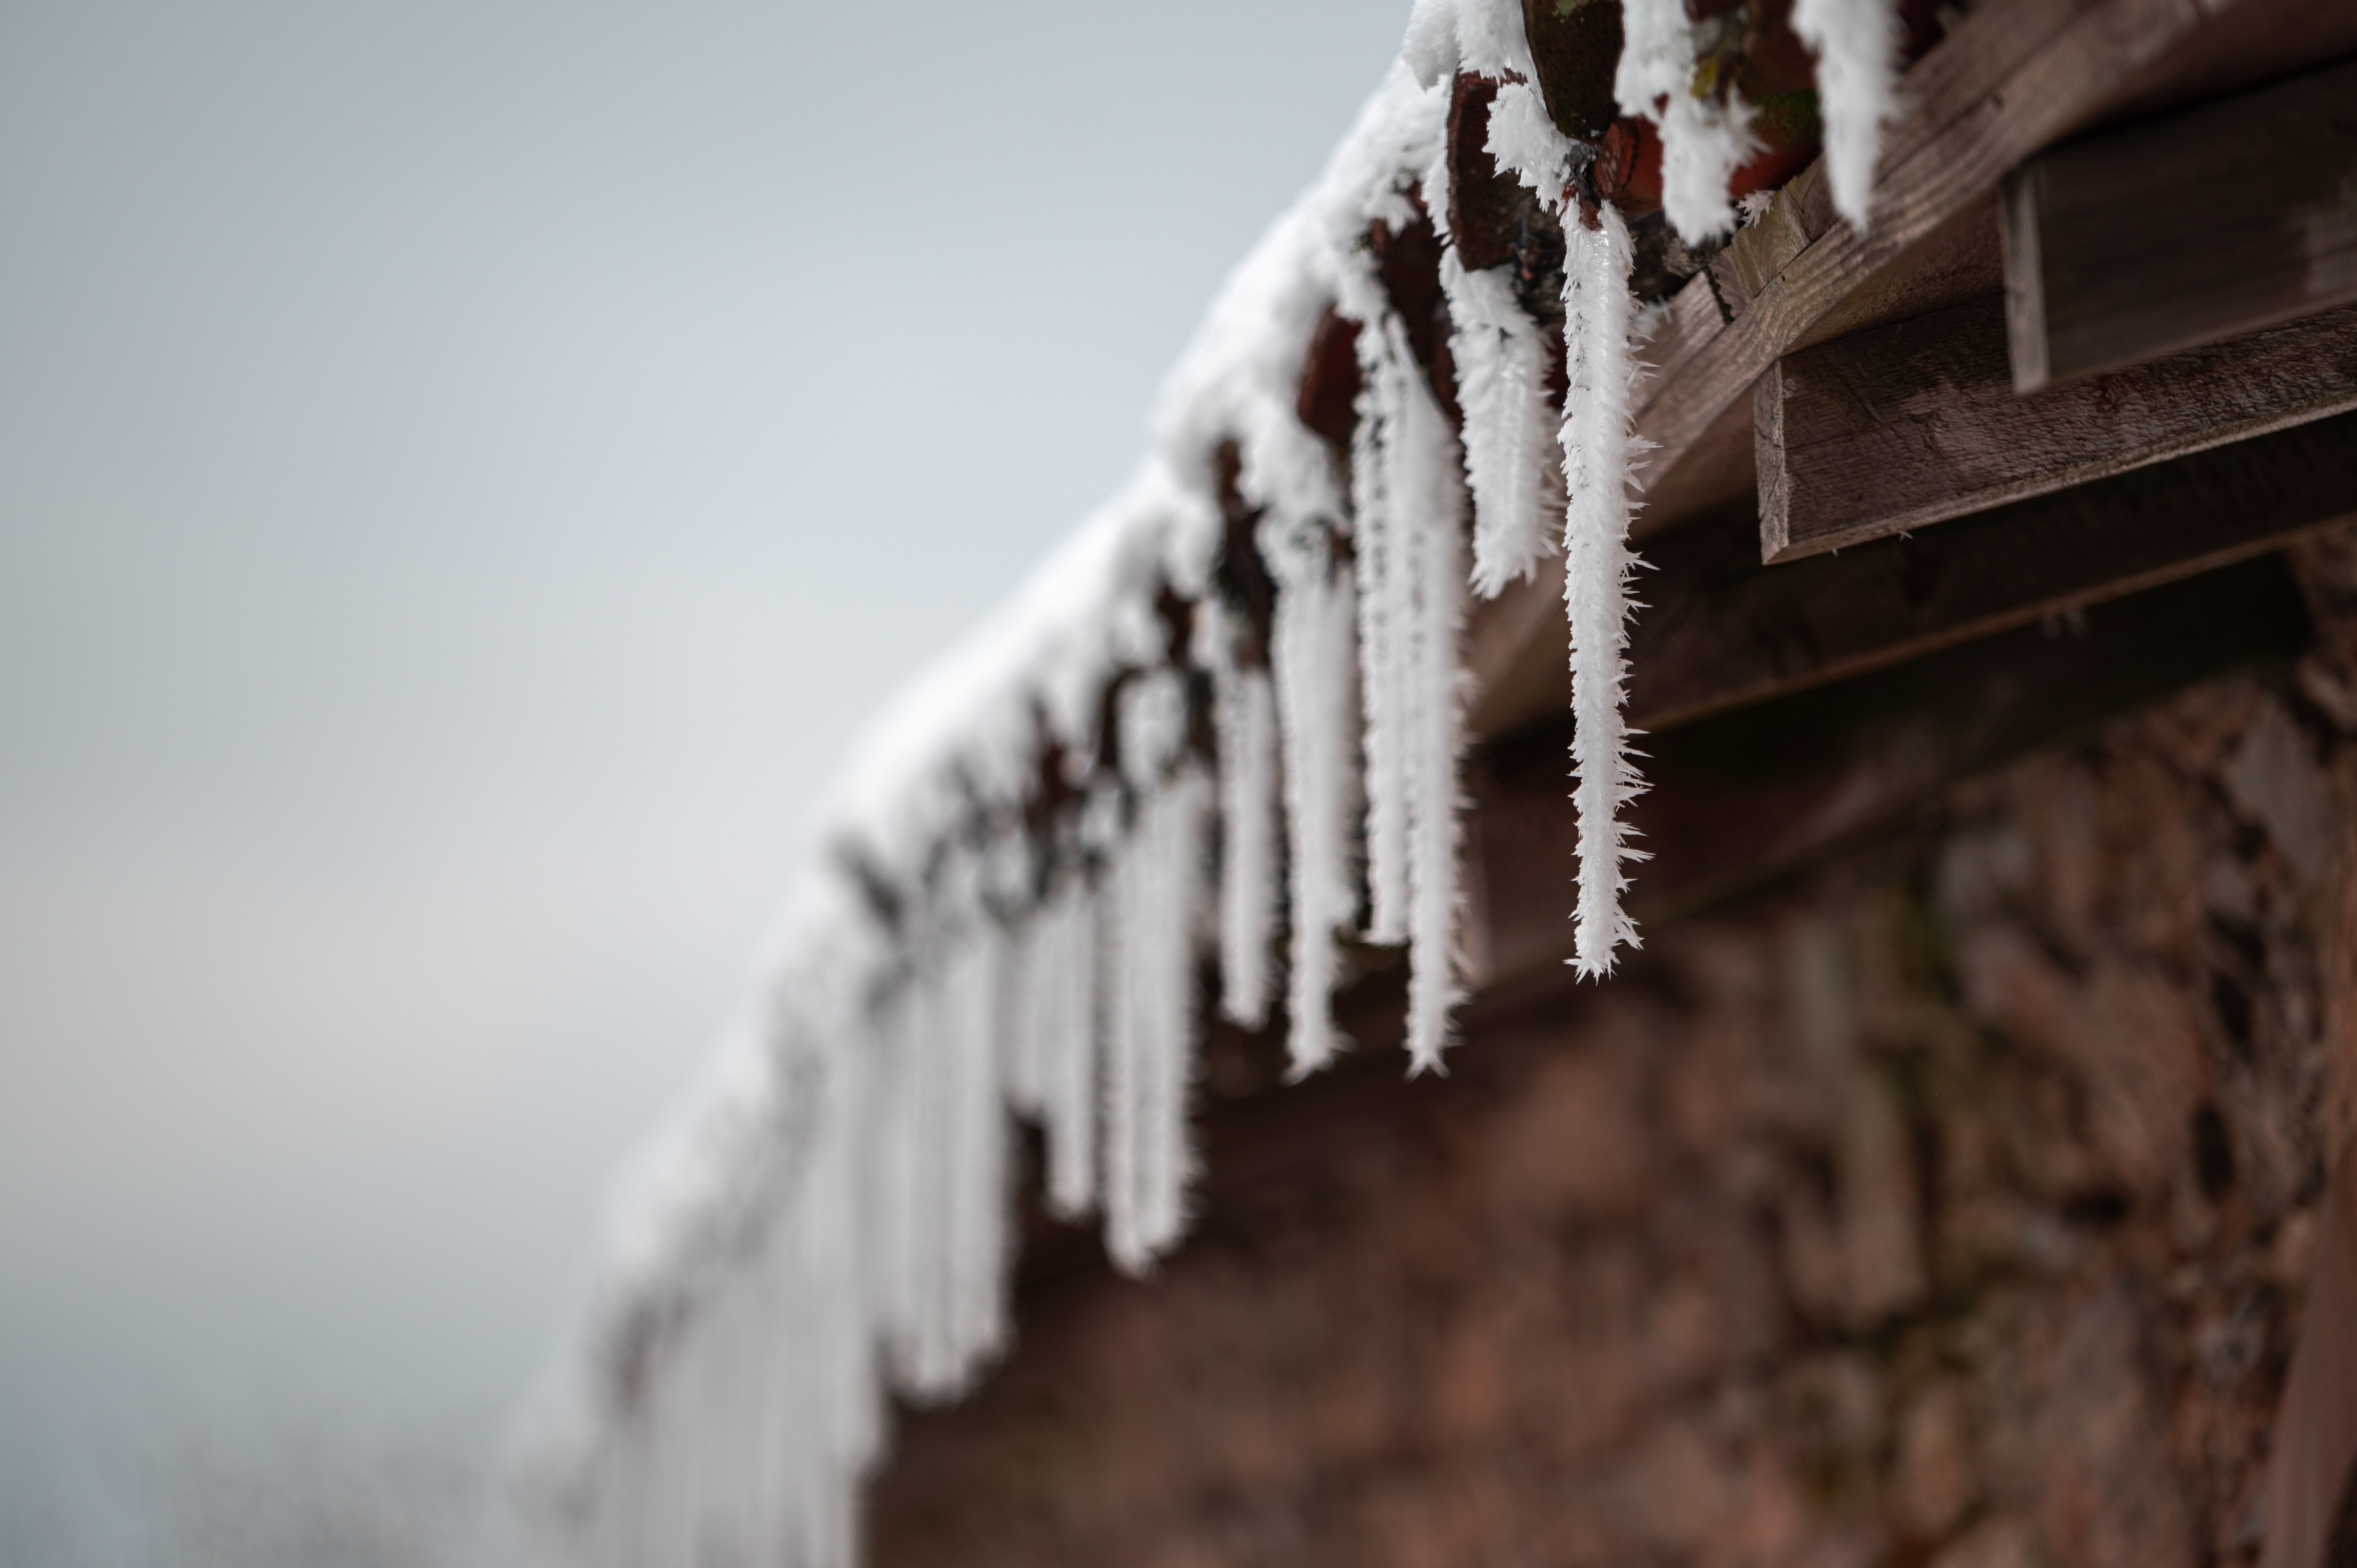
(465, 471)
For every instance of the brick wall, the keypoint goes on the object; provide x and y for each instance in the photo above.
(1949, 1205)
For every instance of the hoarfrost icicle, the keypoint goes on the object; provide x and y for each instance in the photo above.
(1703, 142)
(1501, 359)
(1598, 446)
(1384, 581)
(1856, 45)
(1411, 606)
(1061, 998)
(1150, 1038)
(1429, 601)
(978, 1198)
(1316, 702)
(1244, 711)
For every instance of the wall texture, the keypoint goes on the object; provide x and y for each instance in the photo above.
(1949, 1204)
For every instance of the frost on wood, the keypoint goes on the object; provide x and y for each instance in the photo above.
(1856, 43)
(1703, 142)
(1597, 449)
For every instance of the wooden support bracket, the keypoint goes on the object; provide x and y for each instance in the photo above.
(1908, 424)
(2182, 230)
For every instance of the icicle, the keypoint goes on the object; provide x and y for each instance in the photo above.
(1598, 445)
(1149, 1157)
(1434, 550)
(976, 1195)
(1856, 45)
(1383, 581)
(1703, 142)
(1411, 568)
(1013, 877)
(1063, 997)
(1150, 1060)
(1501, 359)
(1245, 711)
(1314, 653)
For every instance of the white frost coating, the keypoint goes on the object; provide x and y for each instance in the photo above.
(1150, 1042)
(1598, 447)
(1243, 711)
(1315, 656)
(1411, 508)
(978, 1199)
(1425, 469)
(1484, 37)
(1062, 1011)
(1856, 45)
(1384, 591)
(1703, 143)
(1501, 362)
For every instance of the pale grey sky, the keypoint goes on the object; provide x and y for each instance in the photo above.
(465, 470)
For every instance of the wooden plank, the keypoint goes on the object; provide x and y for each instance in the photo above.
(1720, 631)
(2010, 78)
(1916, 422)
(2014, 77)
(2192, 227)
(1746, 797)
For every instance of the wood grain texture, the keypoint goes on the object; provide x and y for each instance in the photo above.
(2184, 228)
(1916, 422)
(1721, 631)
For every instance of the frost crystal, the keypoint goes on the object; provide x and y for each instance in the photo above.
(1598, 445)
(1703, 142)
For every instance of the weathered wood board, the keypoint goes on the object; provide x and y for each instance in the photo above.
(2182, 230)
(1720, 631)
(1907, 424)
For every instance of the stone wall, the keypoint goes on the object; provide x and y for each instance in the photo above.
(1950, 1204)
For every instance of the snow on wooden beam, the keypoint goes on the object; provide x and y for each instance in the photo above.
(2013, 76)
(1911, 424)
(2182, 230)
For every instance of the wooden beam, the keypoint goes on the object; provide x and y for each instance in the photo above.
(1748, 796)
(1720, 631)
(2195, 226)
(1916, 422)
(2009, 79)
